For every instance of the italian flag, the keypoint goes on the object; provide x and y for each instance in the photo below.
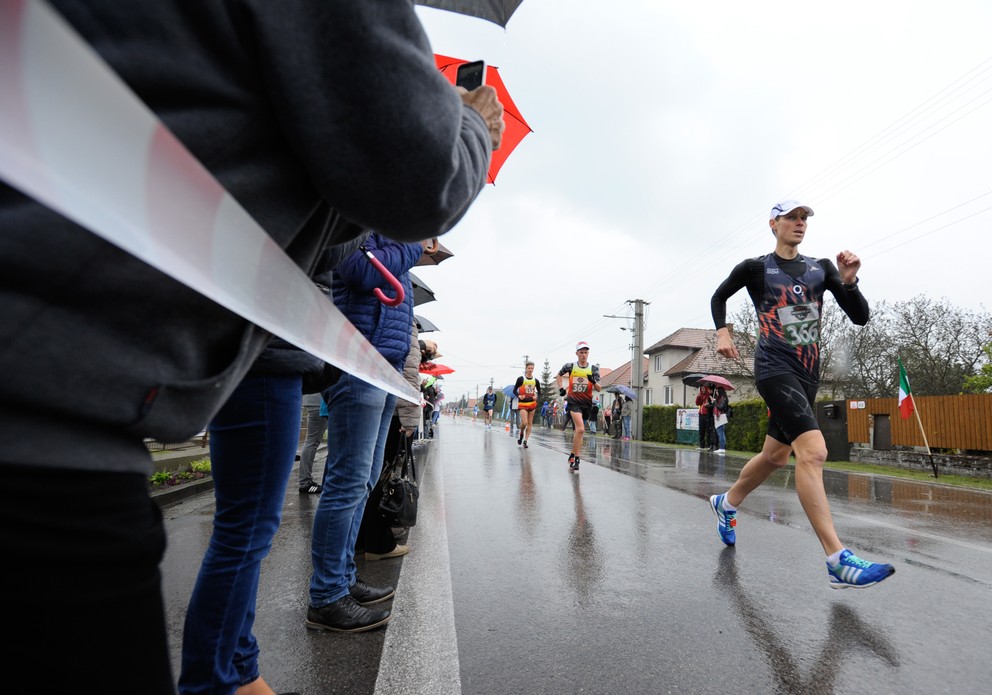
(905, 393)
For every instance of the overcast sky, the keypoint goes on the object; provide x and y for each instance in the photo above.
(663, 134)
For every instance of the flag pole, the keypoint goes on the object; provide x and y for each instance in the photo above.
(908, 391)
(916, 410)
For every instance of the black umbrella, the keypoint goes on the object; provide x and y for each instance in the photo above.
(423, 325)
(625, 391)
(497, 11)
(693, 379)
(421, 292)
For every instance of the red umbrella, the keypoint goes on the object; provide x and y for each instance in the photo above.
(516, 126)
(435, 369)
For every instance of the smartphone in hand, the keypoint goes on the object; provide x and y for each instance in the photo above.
(471, 75)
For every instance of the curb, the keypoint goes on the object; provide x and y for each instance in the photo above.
(169, 496)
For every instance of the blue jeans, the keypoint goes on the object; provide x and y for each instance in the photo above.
(352, 470)
(626, 425)
(721, 435)
(253, 441)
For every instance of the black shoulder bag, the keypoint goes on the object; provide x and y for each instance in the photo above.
(400, 492)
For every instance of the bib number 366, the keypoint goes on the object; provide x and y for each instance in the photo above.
(800, 324)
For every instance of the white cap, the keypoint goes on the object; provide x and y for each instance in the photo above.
(581, 345)
(787, 206)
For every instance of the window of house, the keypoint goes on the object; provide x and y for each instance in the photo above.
(669, 395)
(647, 397)
(657, 363)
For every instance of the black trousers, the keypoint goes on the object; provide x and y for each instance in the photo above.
(707, 431)
(82, 548)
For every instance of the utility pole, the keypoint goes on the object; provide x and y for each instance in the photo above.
(636, 362)
(637, 367)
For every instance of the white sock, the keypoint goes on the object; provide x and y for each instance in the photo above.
(834, 559)
(727, 506)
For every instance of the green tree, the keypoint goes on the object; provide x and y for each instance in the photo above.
(981, 382)
(549, 391)
(942, 347)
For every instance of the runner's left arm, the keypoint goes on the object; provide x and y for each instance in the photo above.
(849, 297)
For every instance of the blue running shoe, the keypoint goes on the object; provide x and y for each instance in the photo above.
(854, 573)
(727, 520)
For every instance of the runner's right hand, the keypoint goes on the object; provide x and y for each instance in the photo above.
(561, 392)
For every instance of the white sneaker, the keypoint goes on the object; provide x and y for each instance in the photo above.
(720, 451)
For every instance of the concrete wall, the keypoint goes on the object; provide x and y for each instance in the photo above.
(974, 466)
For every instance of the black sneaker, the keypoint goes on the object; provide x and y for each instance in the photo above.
(520, 440)
(345, 615)
(310, 489)
(574, 465)
(369, 595)
(525, 444)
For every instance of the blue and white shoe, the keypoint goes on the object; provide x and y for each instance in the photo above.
(727, 521)
(854, 573)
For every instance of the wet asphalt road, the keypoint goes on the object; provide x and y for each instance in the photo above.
(526, 578)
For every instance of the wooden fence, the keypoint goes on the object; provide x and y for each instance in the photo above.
(951, 422)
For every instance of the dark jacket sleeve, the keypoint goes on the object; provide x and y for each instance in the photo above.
(360, 275)
(412, 157)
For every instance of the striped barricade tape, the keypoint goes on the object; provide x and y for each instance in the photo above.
(196, 232)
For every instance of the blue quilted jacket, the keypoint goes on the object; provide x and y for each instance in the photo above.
(387, 328)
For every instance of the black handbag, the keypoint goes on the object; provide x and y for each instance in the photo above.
(398, 505)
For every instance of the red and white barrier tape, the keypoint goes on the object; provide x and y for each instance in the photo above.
(62, 109)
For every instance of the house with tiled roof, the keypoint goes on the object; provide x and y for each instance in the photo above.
(692, 351)
(622, 376)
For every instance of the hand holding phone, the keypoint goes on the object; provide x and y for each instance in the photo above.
(471, 78)
(471, 75)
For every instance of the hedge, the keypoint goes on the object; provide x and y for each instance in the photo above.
(745, 431)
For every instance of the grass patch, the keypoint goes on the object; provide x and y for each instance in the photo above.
(921, 475)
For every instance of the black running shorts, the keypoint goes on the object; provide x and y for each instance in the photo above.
(790, 402)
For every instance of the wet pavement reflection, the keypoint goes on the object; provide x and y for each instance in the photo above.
(924, 503)
(847, 631)
(605, 583)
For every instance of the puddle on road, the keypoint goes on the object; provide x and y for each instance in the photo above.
(686, 470)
